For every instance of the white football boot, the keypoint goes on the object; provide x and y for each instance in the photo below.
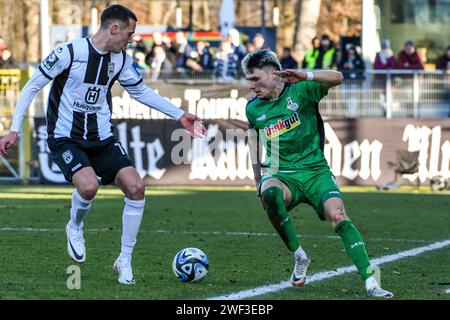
(298, 277)
(123, 268)
(75, 244)
(374, 289)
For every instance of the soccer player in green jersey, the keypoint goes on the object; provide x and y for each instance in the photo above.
(284, 114)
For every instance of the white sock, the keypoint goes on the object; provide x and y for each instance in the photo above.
(131, 221)
(79, 210)
(300, 253)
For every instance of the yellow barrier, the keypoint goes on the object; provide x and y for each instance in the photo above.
(10, 85)
(9, 93)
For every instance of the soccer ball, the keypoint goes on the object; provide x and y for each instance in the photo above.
(190, 265)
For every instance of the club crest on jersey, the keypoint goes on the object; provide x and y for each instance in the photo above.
(291, 105)
(110, 69)
(67, 156)
(282, 126)
(92, 95)
(50, 61)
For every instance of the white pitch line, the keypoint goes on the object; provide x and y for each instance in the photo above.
(227, 233)
(329, 274)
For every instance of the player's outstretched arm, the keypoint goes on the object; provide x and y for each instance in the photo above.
(328, 78)
(7, 142)
(193, 125)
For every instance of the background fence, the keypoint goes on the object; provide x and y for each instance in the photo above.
(378, 94)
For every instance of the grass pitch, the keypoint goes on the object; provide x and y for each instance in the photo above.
(229, 225)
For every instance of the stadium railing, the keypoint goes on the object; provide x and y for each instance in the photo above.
(420, 94)
(386, 94)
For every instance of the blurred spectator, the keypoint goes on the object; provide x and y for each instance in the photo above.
(352, 65)
(250, 47)
(312, 55)
(287, 61)
(385, 59)
(137, 45)
(158, 40)
(139, 58)
(328, 56)
(226, 63)
(181, 49)
(408, 58)
(201, 58)
(238, 47)
(444, 61)
(7, 61)
(258, 42)
(159, 63)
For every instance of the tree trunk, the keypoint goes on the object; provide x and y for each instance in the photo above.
(308, 12)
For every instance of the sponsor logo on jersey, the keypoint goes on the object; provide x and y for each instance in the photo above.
(110, 69)
(261, 118)
(85, 107)
(282, 126)
(67, 156)
(291, 105)
(50, 61)
(92, 95)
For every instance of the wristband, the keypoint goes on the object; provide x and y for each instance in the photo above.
(310, 76)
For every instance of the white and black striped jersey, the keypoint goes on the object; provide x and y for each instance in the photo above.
(80, 104)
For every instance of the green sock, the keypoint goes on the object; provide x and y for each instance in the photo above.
(355, 248)
(279, 217)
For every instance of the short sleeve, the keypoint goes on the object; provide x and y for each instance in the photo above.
(311, 90)
(129, 76)
(56, 62)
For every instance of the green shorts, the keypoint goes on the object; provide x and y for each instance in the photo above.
(313, 187)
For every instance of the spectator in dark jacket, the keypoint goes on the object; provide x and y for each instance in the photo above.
(444, 61)
(352, 65)
(226, 63)
(287, 61)
(7, 61)
(408, 58)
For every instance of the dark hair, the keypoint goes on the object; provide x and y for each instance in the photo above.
(116, 12)
(260, 59)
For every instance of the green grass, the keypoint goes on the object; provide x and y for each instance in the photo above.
(223, 222)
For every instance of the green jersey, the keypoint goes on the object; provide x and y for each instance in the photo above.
(290, 126)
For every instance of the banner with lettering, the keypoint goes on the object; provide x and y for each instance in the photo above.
(358, 151)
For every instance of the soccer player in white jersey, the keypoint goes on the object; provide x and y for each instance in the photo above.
(80, 133)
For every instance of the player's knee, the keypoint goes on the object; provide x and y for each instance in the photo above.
(336, 215)
(272, 196)
(88, 190)
(136, 191)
